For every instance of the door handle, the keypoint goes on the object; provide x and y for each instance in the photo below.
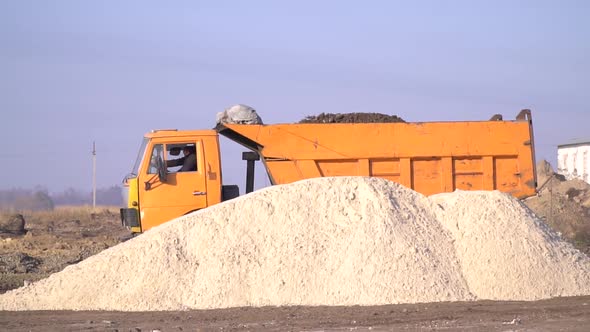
(199, 193)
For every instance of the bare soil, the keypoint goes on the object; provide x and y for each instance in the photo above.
(564, 205)
(560, 314)
(54, 240)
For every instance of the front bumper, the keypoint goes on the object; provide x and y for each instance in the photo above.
(130, 218)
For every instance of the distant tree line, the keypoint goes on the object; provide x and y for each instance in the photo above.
(39, 199)
(26, 199)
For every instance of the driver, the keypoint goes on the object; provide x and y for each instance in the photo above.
(188, 160)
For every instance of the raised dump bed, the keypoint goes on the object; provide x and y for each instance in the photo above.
(429, 157)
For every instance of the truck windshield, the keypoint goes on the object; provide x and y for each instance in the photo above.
(139, 158)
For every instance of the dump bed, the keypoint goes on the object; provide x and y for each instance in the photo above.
(429, 157)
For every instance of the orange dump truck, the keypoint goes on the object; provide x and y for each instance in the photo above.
(429, 157)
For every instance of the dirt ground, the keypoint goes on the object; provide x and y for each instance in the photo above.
(562, 314)
(564, 205)
(54, 240)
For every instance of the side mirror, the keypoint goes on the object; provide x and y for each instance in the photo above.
(127, 178)
(162, 171)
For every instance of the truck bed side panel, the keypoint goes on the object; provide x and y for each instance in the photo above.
(430, 158)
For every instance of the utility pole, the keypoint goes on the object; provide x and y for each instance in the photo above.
(93, 175)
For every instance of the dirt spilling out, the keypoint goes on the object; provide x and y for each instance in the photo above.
(325, 241)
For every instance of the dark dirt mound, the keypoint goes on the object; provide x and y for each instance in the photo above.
(563, 204)
(351, 118)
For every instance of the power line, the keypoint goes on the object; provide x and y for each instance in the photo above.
(93, 175)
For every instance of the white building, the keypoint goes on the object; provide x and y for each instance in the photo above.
(573, 159)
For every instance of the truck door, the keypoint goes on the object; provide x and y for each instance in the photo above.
(182, 191)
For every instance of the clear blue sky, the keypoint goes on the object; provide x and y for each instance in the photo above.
(74, 72)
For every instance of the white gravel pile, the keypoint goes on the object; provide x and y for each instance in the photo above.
(506, 252)
(326, 241)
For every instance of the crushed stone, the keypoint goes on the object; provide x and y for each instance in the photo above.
(324, 241)
(507, 253)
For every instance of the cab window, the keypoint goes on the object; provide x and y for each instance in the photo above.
(181, 157)
(157, 152)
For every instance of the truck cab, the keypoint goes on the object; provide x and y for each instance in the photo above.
(158, 189)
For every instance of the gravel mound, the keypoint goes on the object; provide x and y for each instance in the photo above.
(507, 253)
(325, 241)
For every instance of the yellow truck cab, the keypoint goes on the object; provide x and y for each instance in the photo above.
(156, 192)
(429, 157)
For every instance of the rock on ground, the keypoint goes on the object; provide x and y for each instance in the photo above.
(13, 224)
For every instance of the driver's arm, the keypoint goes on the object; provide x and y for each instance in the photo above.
(175, 162)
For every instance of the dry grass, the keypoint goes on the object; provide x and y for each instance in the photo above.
(84, 214)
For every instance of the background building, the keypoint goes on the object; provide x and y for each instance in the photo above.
(573, 159)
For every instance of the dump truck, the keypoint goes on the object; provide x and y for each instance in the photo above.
(428, 157)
